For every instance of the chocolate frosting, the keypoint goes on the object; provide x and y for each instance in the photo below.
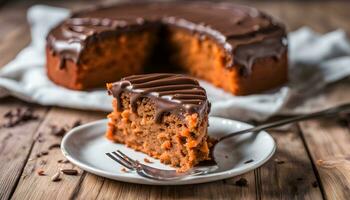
(245, 33)
(171, 93)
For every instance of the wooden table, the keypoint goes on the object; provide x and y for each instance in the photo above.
(312, 160)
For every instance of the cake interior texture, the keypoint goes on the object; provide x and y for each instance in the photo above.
(109, 59)
(179, 140)
(204, 58)
(156, 49)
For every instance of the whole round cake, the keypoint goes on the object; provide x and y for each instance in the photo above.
(237, 48)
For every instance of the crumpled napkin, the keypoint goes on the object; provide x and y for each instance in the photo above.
(315, 61)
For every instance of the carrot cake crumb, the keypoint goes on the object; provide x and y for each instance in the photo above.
(40, 172)
(124, 170)
(147, 160)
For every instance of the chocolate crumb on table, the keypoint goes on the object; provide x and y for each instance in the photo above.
(242, 182)
(18, 116)
(42, 153)
(278, 161)
(56, 177)
(63, 161)
(76, 123)
(54, 146)
(72, 172)
(57, 131)
(62, 130)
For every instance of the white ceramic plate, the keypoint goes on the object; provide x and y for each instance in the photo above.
(85, 146)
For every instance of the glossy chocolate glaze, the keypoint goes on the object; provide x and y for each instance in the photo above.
(244, 33)
(171, 93)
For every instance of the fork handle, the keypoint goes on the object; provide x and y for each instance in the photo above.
(324, 113)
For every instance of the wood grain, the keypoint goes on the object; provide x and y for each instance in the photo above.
(94, 187)
(328, 145)
(289, 173)
(328, 142)
(49, 163)
(15, 144)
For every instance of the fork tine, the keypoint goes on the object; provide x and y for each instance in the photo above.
(123, 159)
(128, 158)
(127, 165)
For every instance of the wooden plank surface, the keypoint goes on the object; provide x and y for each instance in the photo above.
(311, 162)
(96, 188)
(328, 143)
(59, 118)
(15, 144)
(289, 174)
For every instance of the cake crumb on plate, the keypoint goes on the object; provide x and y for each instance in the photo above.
(147, 160)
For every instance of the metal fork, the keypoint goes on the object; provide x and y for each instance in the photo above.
(155, 173)
(165, 175)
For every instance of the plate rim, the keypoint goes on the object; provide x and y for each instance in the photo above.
(139, 180)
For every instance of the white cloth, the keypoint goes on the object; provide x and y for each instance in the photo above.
(315, 61)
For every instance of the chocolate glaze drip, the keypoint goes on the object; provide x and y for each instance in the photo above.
(244, 33)
(171, 93)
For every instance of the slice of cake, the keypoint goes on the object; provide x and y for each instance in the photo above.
(162, 115)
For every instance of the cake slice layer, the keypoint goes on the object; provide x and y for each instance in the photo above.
(163, 115)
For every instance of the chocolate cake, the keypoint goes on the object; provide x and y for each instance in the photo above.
(163, 115)
(237, 48)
